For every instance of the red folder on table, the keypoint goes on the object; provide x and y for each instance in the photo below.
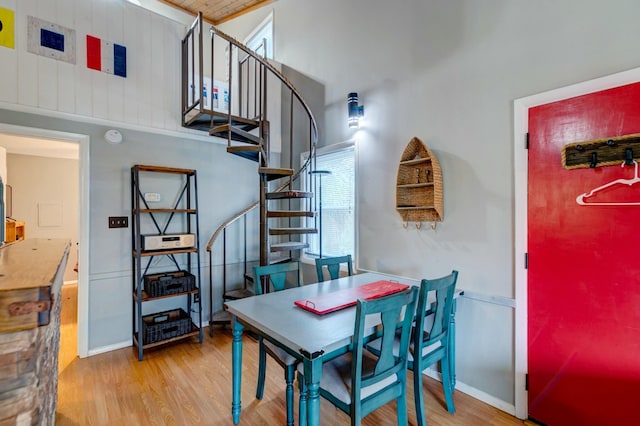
(341, 299)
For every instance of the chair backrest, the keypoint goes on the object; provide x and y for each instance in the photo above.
(441, 308)
(332, 264)
(387, 364)
(276, 275)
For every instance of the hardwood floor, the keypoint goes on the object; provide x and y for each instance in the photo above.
(189, 383)
(68, 328)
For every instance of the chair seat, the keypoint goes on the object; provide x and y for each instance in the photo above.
(336, 377)
(426, 350)
(281, 356)
(374, 346)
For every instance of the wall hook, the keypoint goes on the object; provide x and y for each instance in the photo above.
(405, 225)
(594, 160)
(628, 157)
(433, 225)
(418, 225)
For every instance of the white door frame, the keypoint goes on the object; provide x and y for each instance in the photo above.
(83, 215)
(520, 129)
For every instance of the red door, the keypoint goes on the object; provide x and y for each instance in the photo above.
(584, 269)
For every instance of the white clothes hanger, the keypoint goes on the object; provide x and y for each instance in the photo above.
(581, 198)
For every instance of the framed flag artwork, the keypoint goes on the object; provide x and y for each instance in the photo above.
(51, 40)
(105, 56)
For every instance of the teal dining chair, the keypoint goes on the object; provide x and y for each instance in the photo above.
(359, 381)
(435, 342)
(274, 278)
(332, 266)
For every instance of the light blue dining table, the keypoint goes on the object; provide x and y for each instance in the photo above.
(310, 337)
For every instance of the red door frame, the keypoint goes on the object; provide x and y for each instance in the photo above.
(521, 118)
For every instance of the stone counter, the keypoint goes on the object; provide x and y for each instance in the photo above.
(31, 275)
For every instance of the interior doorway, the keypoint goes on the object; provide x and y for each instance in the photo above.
(522, 109)
(583, 268)
(45, 140)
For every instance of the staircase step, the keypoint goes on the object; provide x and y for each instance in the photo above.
(199, 121)
(237, 134)
(206, 120)
(238, 294)
(273, 260)
(292, 231)
(280, 259)
(288, 246)
(290, 213)
(251, 152)
(272, 173)
(220, 317)
(288, 194)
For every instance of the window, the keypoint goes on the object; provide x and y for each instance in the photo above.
(261, 37)
(336, 193)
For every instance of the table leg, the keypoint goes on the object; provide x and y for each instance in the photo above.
(312, 376)
(236, 347)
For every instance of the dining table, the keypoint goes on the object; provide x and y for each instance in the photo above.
(310, 337)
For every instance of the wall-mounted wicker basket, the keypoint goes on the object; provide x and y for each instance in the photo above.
(419, 193)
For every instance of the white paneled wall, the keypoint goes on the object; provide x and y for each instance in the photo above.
(150, 94)
(8, 65)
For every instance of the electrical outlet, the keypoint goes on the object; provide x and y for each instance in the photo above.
(196, 297)
(118, 221)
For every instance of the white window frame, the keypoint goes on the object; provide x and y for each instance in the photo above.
(349, 144)
(264, 30)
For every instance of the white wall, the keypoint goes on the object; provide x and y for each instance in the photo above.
(41, 185)
(448, 72)
(148, 96)
(38, 92)
(226, 184)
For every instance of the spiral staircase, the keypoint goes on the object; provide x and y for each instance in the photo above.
(244, 115)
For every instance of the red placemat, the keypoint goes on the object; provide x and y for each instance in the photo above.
(341, 299)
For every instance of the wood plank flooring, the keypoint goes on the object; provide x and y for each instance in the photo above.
(189, 383)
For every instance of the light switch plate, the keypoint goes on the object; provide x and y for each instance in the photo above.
(118, 221)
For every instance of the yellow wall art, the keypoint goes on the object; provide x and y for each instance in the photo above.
(7, 28)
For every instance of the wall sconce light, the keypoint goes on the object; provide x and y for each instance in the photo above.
(356, 112)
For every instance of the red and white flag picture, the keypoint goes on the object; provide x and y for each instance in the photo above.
(105, 56)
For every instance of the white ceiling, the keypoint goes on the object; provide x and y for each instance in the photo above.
(40, 147)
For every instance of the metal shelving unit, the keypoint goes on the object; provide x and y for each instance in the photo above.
(184, 215)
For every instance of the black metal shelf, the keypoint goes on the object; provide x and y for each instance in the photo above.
(195, 330)
(147, 298)
(146, 253)
(186, 206)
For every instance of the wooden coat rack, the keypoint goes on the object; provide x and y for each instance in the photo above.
(602, 152)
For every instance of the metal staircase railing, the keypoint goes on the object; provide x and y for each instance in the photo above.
(250, 117)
